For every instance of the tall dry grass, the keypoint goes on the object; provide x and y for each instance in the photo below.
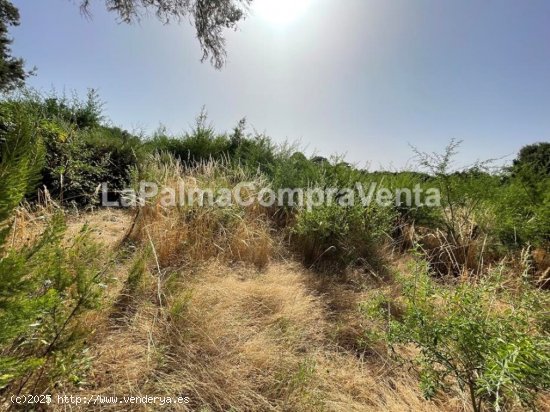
(196, 233)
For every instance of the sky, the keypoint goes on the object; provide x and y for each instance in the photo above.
(363, 79)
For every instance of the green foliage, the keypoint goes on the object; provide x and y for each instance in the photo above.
(73, 169)
(533, 160)
(342, 234)
(203, 145)
(510, 209)
(21, 159)
(79, 153)
(490, 342)
(294, 171)
(122, 149)
(209, 19)
(415, 213)
(78, 162)
(462, 190)
(518, 219)
(80, 114)
(12, 71)
(524, 200)
(44, 288)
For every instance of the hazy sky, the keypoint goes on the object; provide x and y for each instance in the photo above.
(356, 77)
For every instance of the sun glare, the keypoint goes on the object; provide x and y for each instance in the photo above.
(280, 12)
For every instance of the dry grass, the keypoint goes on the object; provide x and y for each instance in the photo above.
(251, 332)
(194, 233)
(193, 236)
(210, 310)
(107, 226)
(28, 224)
(235, 337)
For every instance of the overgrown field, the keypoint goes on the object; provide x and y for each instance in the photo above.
(340, 306)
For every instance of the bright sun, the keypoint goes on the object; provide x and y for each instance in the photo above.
(280, 12)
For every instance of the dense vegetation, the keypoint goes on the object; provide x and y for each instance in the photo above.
(491, 339)
(508, 205)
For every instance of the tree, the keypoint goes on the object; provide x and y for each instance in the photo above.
(535, 158)
(532, 169)
(209, 17)
(12, 71)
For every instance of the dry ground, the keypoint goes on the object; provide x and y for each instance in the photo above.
(235, 337)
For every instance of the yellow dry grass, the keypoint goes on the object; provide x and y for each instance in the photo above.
(194, 233)
(252, 340)
(106, 226)
(216, 314)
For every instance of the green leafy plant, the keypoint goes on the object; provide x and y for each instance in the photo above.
(45, 286)
(491, 343)
(21, 159)
(342, 234)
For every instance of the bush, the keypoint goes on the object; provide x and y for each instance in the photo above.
(341, 234)
(80, 114)
(21, 159)
(255, 153)
(524, 199)
(79, 154)
(532, 160)
(518, 219)
(202, 145)
(121, 150)
(490, 342)
(73, 170)
(44, 288)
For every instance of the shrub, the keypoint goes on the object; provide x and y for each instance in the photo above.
(78, 162)
(201, 145)
(121, 150)
(341, 234)
(518, 220)
(490, 342)
(73, 170)
(294, 170)
(524, 199)
(532, 160)
(413, 214)
(255, 153)
(44, 288)
(21, 159)
(81, 114)
(78, 152)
